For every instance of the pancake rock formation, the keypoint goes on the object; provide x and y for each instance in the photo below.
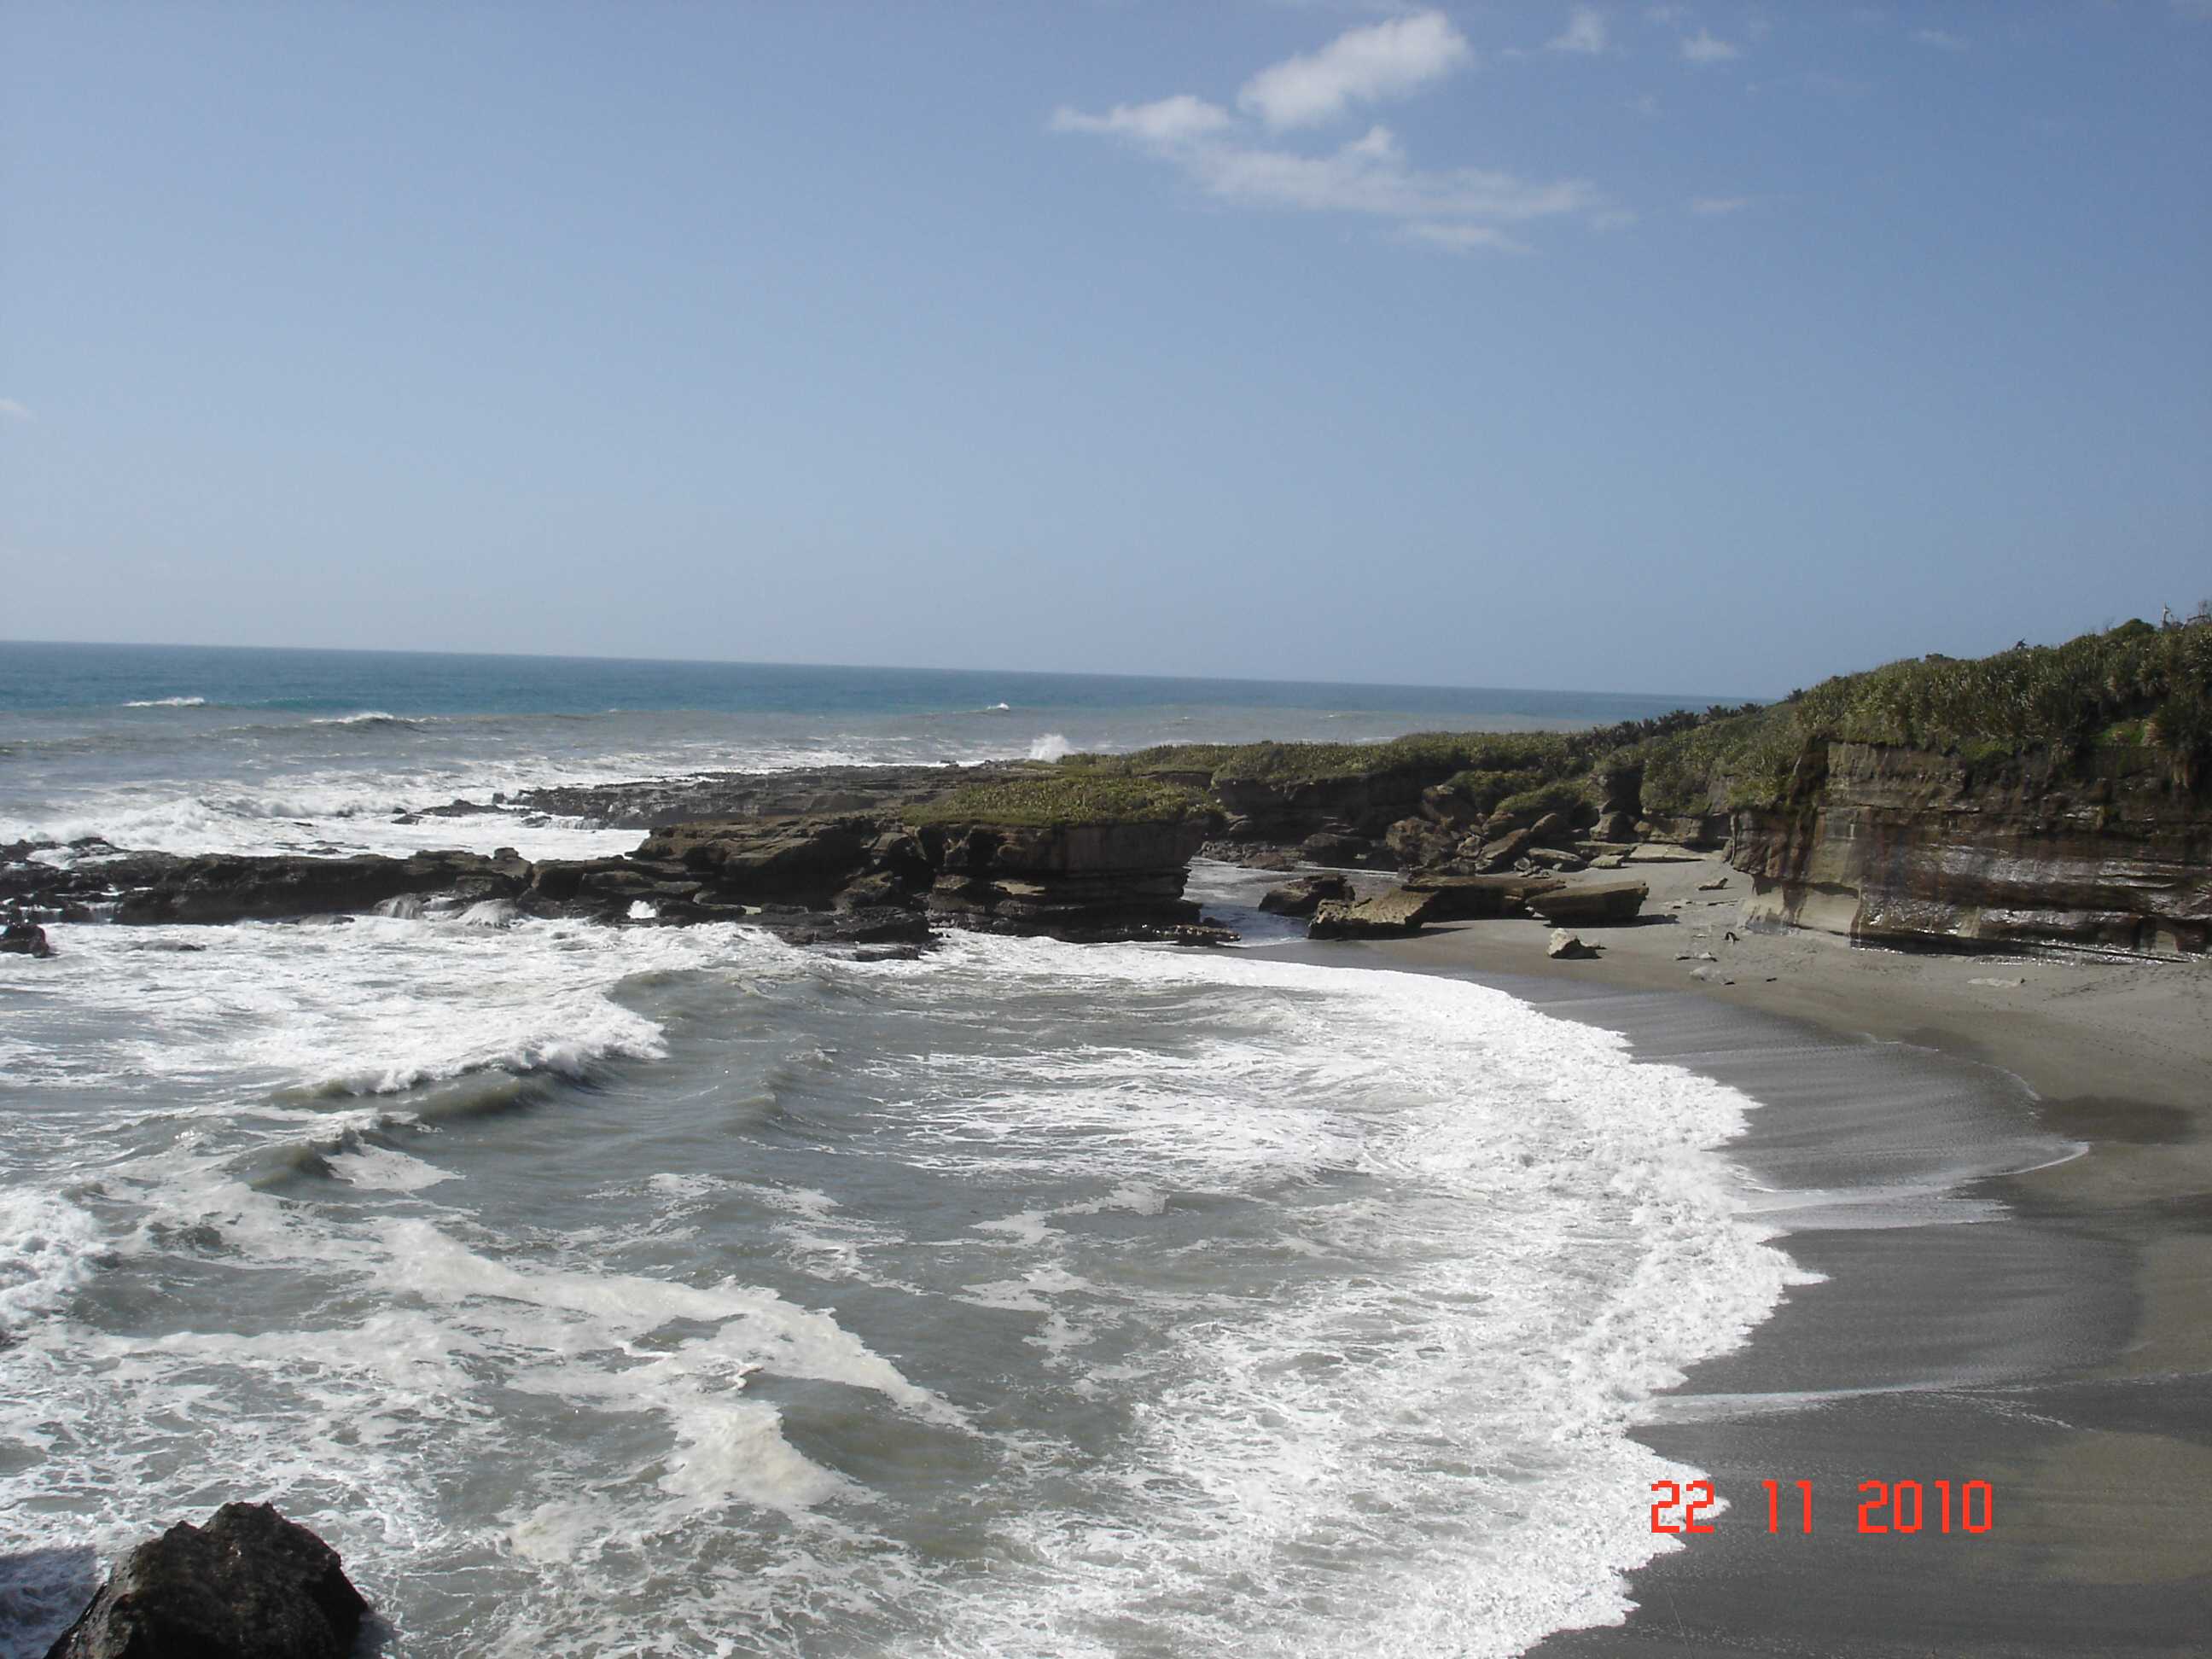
(819, 859)
(1901, 845)
(1388, 915)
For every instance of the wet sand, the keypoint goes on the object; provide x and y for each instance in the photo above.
(2003, 1170)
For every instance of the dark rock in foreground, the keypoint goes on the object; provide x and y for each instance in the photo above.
(248, 1585)
(25, 939)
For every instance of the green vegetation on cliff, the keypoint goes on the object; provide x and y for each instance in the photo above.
(2136, 687)
(1435, 753)
(1065, 798)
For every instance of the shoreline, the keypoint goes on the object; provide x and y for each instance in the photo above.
(1996, 1305)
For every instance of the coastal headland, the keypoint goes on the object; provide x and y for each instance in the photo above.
(2044, 799)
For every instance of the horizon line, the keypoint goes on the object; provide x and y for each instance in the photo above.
(1688, 700)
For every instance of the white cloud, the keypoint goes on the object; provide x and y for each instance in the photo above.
(1384, 60)
(1370, 176)
(1713, 206)
(1585, 33)
(1704, 47)
(1166, 121)
(1464, 239)
(1241, 161)
(12, 411)
(1942, 39)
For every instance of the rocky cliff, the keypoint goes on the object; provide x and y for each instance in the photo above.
(1895, 845)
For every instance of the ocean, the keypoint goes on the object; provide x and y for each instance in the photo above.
(650, 1291)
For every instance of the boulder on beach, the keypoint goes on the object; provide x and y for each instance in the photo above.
(1479, 898)
(1303, 897)
(248, 1585)
(1555, 858)
(1591, 902)
(1553, 829)
(1568, 946)
(1389, 915)
(1614, 827)
(1499, 854)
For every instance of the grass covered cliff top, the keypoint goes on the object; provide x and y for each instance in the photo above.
(1055, 799)
(2135, 686)
(2132, 687)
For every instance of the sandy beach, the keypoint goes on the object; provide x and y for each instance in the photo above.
(2001, 1168)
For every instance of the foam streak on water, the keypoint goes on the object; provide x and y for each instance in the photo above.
(675, 1292)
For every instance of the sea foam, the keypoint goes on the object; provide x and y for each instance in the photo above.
(1214, 1304)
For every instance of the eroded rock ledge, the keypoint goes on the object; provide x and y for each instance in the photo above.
(857, 855)
(1900, 845)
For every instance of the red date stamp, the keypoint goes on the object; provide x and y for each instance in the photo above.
(1884, 1506)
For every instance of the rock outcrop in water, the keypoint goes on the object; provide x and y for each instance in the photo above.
(876, 857)
(248, 1585)
(25, 939)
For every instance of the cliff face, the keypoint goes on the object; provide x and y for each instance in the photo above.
(1903, 846)
(1080, 881)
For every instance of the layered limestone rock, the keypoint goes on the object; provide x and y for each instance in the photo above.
(1304, 896)
(1388, 915)
(1479, 899)
(1096, 880)
(854, 876)
(1591, 902)
(164, 887)
(1907, 847)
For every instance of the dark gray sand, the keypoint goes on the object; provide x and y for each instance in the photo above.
(2007, 1188)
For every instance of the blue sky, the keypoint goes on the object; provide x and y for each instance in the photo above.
(1608, 347)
